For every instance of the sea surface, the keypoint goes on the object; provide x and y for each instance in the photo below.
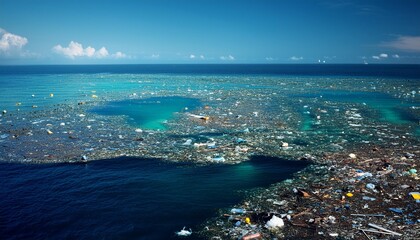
(126, 198)
(53, 116)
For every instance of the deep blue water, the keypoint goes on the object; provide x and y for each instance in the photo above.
(375, 70)
(125, 198)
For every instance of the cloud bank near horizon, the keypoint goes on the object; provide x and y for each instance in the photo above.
(11, 44)
(76, 50)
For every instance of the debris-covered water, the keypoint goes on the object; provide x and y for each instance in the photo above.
(204, 113)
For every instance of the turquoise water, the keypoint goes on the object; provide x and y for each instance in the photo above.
(149, 113)
(389, 109)
(46, 90)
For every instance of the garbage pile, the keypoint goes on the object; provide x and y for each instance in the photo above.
(370, 193)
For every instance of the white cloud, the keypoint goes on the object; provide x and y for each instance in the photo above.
(294, 58)
(102, 53)
(193, 56)
(155, 56)
(380, 56)
(75, 49)
(90, 51)
(119, 55)
(11, 43)
(406, 43)
(270, 59)
(396, 56)
(227, 58)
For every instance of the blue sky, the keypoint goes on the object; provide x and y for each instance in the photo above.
(209, 31)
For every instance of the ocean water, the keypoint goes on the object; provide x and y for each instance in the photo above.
(149, 113)
(125, 198)
(94, 111)
(390, 109)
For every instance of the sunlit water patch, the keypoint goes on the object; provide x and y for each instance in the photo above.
(150, 113)
(125, 198)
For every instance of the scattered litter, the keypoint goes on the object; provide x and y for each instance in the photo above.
(184, 233)
(415, 196)
(237, 211)
(204, 118)
(274, 222)
(219, 159)
(370, 186)
(367, 215)
(383, 230)
(368, 198)
(280, 203)
(252, 236)
(396, 210)
(3, 136)
(363, 175)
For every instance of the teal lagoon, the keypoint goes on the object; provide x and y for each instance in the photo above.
(149, 113)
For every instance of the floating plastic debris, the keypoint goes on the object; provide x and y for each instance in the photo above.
(219, 159)
(370, 186)
(237, 211)
(274, 222)
(184, 233)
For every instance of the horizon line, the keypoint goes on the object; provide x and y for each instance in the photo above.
(198, 64)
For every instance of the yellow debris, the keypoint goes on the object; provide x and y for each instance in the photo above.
(94, 96)
(247, 220)
(49, 132)
(51, 94)
(349, 194)
(415, 195)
